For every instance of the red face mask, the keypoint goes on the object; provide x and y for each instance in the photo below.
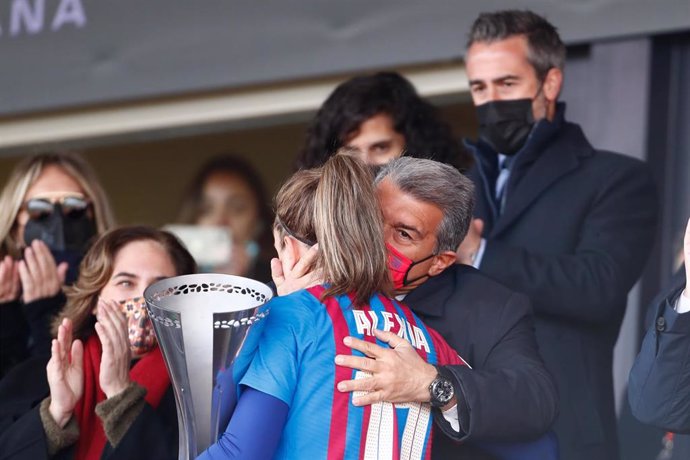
(400, 265)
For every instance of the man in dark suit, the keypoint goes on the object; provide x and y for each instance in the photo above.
(508, 394)
(568, 225)
(659, 385)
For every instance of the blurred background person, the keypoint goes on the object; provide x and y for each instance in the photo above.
(227, 193)
(659, 385)
(382, 117)
(50, 208)
(105, 392)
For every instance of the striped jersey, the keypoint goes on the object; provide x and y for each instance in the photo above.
(295, 363)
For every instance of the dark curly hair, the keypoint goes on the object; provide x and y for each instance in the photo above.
(361, 98)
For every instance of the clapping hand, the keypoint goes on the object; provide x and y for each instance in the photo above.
(40, 277)
(65, 374)
(9, 280)
(111, 328)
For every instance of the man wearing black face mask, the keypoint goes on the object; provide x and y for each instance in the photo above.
(566, 224)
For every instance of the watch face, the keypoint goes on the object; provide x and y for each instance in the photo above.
(441, 391)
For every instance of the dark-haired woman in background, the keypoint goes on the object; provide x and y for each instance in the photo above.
(382, 117)
(227, 192)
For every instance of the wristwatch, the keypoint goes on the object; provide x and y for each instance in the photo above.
(441, 390)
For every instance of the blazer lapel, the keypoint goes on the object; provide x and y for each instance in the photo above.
(557, 160)
(430, 298)
(484, 207)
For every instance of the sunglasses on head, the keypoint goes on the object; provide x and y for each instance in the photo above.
(306, 241)
(70, 206)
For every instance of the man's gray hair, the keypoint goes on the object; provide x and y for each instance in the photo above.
(438, 184)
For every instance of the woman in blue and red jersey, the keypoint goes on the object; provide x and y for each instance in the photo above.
(290, 406)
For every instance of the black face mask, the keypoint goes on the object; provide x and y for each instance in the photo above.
(61, 233)
(73, 259)
(67, 237)
(505, 125)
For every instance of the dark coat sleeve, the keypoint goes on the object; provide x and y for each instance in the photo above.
(39, 316)
(25, 438)
(659, 384)
(509, 395)
(153, 434)
(14, 333)
(25, 329)
(21, 430)
(615, 241)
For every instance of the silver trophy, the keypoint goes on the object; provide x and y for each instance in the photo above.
(208, 327)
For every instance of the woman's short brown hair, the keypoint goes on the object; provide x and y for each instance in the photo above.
(96, 270)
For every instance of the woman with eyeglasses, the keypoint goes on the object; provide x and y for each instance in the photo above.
(50, 209)
(290, 405)
(105, 392)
